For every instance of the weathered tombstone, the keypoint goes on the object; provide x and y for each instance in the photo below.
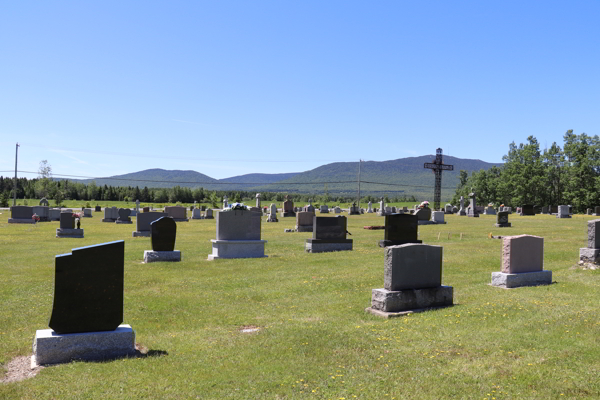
(258, 200)
(324, 209)
(304, 221)
(124, 216)
(21, 215)
(87, 213)
(273, 213)
(437, 217)
(489, 210)
(54, 214)
(98, 209)
(527, 209)
(196, 213)
(370, 208)
(563, 212)
(309, 207)
(591, 253)
(87, 311)
(424, 215)
(354, 210)
(110, 214)
(137, 207)
(462, 211)
(472, 209)
(225, 202)
(178, 213)
(337, 210)
(287, 208)
(454, 209)
(588, 211)
(412, 281)
(522, 263)
(381, 212)
(42, 212)
(400, 229)
(502, 220)
(238, 235)
(44, 202)
(208, 214)
(329, 234)
(163, 234)
(143, 221)
(448, 208)
(67, 228)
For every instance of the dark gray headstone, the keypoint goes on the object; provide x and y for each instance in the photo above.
(88, 289)
(67, 221)
(412, 266)
(144, 219)
(238, 225)
(594, 234)
(98, 209)
(124, 214)
(329, 228)
(597, 210)
(21, 212)
(423, 214)
(502, 217)
(400, 229)
(164, 231)
(527, 209)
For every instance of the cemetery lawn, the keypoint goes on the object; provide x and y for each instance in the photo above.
(314, 338)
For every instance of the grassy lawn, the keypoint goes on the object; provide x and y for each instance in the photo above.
(315, 339)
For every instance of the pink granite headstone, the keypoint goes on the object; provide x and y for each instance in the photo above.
(522, 253)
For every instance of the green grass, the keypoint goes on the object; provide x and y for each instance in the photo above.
(316, 340)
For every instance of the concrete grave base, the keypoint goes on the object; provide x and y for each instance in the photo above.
(123, 222)
(507, 225)
(394, 301)
(141, 233)
(108, 220)
(237, 249)
(304, 228)
(156, 256)
(21, 221)
(324, 246)
(587, 254)
(69, 233)
(287, 214)
(508, 281)
(50, 347)
(388, 243)
(197, 217)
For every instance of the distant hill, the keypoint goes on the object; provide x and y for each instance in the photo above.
(378, 178)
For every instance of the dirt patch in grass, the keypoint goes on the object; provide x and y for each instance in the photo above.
(18, 369)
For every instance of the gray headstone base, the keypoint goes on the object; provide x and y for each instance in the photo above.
(587, 254)
(123, 222)
(108, 220)
(507, 225)
(141, 233)
(237, 249)
(509, 281)
(394, 301)
(197, 217)
(69, 233)
(324, 246)
(157, 256)
(50, 347)
(304, 228)
(21, 221)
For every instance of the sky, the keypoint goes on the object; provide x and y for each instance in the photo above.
(229, 88)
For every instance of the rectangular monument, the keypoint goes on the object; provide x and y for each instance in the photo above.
(522, 263)
(178, 213)
(329, 234)
(21, 215)
(143, 221)
(238, 235)
(591, 253)
(304, 221)
(400, 229)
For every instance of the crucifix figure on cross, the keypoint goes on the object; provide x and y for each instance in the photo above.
(438, 166)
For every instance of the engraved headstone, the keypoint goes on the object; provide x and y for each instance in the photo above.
(164, 231)
(522, 263)
(143, 221)
(124, 216)
(591, 253)
(502, 220)
(400, 229)
(472, 210)
(329, 234)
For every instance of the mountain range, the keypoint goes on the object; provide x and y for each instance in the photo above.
(394, 177)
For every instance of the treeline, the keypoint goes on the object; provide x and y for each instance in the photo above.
(556, 176)
(59, 190)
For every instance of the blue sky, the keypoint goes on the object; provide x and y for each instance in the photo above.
(228, 88)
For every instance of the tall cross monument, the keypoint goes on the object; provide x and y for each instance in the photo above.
(438, 166)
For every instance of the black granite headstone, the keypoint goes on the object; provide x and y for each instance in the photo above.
(329, 228)
(400, 229)
(124, 214)
(88, 289)
(527, 209)
(21, 212)
(597, 210)
(98, 209)
(164, 231)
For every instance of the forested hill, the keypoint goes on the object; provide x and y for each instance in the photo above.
(404, 175)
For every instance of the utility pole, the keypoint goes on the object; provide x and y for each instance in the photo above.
(15, 188)
(358, 200)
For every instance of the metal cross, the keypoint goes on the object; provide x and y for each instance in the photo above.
(438, 166)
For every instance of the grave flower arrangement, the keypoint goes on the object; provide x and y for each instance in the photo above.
(35, 217)
(424, 204)
(237, 206)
